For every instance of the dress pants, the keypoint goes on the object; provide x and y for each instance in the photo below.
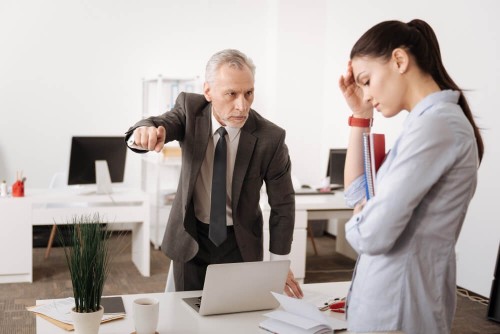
(190, 275)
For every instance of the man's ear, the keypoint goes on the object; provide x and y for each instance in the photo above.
(401, 59)
(207, 92)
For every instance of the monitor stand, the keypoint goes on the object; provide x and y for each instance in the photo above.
(103, 180)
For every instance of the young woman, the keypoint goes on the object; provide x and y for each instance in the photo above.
(405, 235)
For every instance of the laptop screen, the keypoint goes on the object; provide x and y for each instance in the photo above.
(336, 162)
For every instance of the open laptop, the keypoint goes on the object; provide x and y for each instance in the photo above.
(240, 287)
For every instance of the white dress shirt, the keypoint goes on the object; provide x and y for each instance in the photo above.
(203, 185)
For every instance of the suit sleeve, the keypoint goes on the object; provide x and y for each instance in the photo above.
(281, 199)
(174, 122)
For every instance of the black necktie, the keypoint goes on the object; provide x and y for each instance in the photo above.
(218, 229)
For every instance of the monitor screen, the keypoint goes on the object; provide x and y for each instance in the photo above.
(336, 162)
(86, 150)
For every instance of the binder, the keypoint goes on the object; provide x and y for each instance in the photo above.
(373, 156)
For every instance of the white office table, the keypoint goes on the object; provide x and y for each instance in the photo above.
(49, 206)
(310, 207)
(333, 209)
(177, 317)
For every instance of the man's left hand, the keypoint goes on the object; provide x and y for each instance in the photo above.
(292, 287)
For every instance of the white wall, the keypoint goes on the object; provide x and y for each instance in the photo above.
(75, 68)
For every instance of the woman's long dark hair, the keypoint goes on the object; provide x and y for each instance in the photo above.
(420, 40)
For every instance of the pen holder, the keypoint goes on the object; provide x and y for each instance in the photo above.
(18, 189)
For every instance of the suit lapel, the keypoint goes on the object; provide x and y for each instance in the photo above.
(243, 157)
(201, 136)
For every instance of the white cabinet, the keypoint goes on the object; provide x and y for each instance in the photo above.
(15, 240)
(161, 171)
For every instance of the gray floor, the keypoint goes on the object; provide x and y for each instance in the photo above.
(51, 280)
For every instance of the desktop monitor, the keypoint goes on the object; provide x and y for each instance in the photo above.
(336, 162)
(85, 151)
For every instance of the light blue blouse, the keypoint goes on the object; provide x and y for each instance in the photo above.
(405, 236)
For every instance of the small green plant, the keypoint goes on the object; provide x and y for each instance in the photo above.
(88, 258)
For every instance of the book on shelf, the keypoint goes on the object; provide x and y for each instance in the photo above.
(373, 156)
(299, 317)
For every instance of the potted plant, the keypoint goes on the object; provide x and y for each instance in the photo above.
(87, 255)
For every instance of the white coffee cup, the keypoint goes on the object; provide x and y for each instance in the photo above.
(146, 315)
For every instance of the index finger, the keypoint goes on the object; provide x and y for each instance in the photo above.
(342, 84)
(298, 289)
(160, 140)
(294, 286)
(152, 138)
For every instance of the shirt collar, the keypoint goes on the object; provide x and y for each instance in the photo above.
(446, 96)
(232, 133)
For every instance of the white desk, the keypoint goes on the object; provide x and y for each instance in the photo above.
(333, 209)
(44, 207)
(177, 317)
(309, 207)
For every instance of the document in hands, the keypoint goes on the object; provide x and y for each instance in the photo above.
(299, 317)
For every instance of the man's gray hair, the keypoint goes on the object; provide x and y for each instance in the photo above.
(232, 57)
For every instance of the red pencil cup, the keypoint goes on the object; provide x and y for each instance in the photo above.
(18, 189)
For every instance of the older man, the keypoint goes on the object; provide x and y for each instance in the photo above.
(228, 151)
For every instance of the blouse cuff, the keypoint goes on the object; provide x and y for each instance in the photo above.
(356, 192)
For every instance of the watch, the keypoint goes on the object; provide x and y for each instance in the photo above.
(360, 122)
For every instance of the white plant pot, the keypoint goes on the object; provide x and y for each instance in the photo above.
(87, 323)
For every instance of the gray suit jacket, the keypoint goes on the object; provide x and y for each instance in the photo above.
(262, 157)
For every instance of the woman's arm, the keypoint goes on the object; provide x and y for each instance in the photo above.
(360, 109)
